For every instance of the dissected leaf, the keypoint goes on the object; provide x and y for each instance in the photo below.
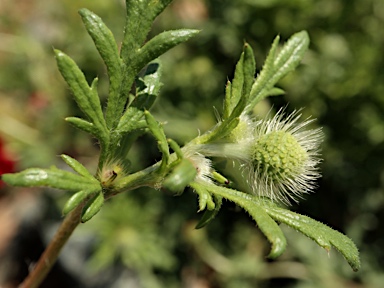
(161, 43)
(76, 199)
(53, 177)
(77, 166)
(86, 97)
(158, 132)
(176, 148)
(205, 197)
(83, 125)
(148, 90)
(92, 207)
(107, 47)
(140, 17)
(265, 223)
(151, 79)
(209, 215)
(276, 92)
(263, 211)
(277, 66)
(131, 119)
(103, 39)
(241, 84)
(319, 232)
(220, 131)
(228, 100)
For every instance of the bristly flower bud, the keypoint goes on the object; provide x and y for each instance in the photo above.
(284, 158)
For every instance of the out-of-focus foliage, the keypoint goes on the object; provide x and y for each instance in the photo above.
(340, 83)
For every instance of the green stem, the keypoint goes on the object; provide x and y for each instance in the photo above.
(149, 177)
(51, 253)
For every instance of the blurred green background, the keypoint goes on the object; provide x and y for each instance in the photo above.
(146, 238)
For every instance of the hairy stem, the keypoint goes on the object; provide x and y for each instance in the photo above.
(51, 253)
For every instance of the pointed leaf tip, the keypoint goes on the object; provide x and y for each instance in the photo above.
(323, 235)
(73, 202)
(209, 215)
(92, 207)
(250, 203)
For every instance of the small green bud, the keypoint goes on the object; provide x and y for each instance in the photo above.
(181, 176)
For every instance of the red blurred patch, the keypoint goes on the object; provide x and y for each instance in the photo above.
(7, 163)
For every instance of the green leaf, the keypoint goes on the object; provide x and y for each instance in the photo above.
(265, 213)
(103, 39)
(52, 177)
(77, 166)
(149, 88)
(162, 43)
(252, 205)
(140, 16)
(228, 100)
(76, 199)
(107, 47)
(158, 132)
(86, 97)
(277, 66)
(83, 125)
(323, 235)
(129, 121)
(209, 215)
(150, 51)
(275, 92)
(176, 148)
(291, 54)
(220, 131)
(241, 85)
(149, 81)
(241, 95)
(183, 174)
(205, 198)
(92, 207)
